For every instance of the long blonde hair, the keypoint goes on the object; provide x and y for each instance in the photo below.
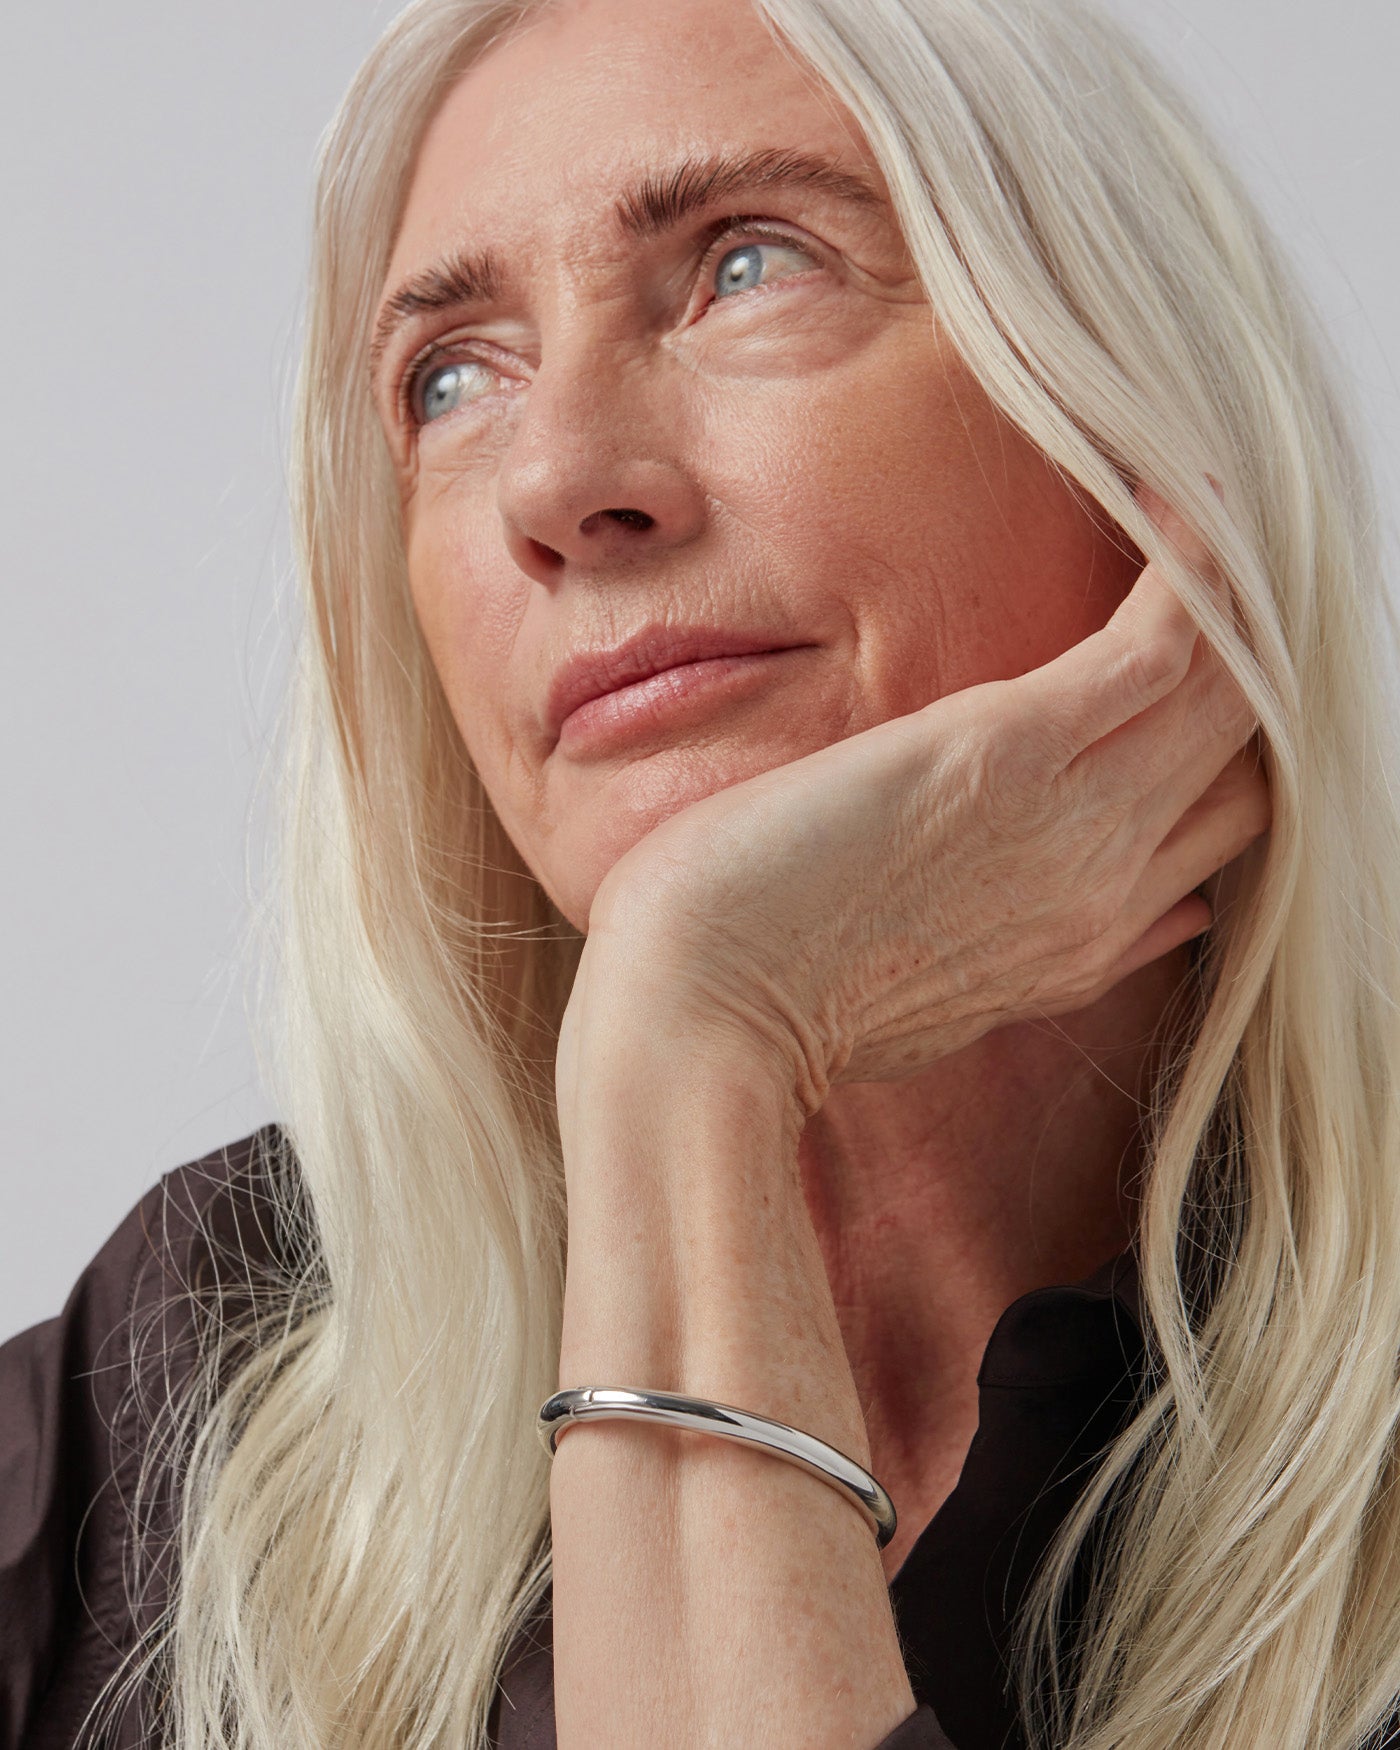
(365, 1508)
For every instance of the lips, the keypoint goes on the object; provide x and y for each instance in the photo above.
(590, 674)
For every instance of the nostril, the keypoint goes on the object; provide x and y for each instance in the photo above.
(632, 519)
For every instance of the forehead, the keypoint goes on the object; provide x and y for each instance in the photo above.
(583, 96)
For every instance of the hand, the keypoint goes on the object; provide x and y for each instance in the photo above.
(1012, 850)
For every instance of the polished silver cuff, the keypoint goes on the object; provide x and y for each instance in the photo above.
(604, 1403)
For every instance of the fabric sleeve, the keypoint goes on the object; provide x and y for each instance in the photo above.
(921, 1731)
(60, 1425)
(77, 1394)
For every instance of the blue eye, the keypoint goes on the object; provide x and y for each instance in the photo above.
(445, 388)
(741, 269)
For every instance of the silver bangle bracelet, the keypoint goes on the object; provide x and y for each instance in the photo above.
(601, 1403)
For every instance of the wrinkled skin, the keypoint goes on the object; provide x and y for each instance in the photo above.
(814, 457)
(890, 859)
(1014, 850)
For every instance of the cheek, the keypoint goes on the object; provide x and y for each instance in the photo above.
(1021, 568)
(951, 545)
(469, 619)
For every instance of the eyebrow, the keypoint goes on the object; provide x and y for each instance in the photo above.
(648, 208)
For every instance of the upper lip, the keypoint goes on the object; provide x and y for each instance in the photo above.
(591, 673)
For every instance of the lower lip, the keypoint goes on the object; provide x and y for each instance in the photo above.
(672, 697)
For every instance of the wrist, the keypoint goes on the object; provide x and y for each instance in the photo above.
(644, 1003)
(657, 1094)
(692, 1258)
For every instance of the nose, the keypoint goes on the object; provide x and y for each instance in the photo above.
(593, 476)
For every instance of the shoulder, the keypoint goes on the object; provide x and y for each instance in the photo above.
(83, 1400)
(204, 1235)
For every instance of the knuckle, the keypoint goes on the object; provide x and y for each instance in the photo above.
(1083, 974)
(1149, 667)
(1022, 763)
(1175, 528)
(1091, 925)
(1249, 800)
(1226, 718)
(1006, 775)
(1018, 757)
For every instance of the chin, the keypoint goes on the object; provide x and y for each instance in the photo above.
(634, 799)
(574, 875)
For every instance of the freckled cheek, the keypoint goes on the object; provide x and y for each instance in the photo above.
(888, 488)
(850, 474)
(845, 432)
(460, 613)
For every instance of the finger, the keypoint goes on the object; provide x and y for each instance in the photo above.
(1190, 546)
(1166, 757)
(1188, 918)
(1232, 813)
(1164, 903)
(1141, 656)
(1169, 754)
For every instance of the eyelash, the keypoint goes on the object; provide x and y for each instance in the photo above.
(438, 352)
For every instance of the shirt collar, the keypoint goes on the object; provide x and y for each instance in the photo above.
(1119, 1278)
(1086, 1332)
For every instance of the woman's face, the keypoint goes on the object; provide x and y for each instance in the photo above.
(659, 359)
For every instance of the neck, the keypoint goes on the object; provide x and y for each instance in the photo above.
(940, 1200)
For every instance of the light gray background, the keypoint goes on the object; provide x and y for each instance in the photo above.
(155, 167)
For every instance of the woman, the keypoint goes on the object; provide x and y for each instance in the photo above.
(948, 1011)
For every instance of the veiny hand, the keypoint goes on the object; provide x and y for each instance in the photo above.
(1009, 851)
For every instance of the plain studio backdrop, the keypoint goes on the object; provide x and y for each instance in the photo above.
(155, 174)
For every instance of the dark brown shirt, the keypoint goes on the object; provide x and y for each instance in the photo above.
(79, 1393)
